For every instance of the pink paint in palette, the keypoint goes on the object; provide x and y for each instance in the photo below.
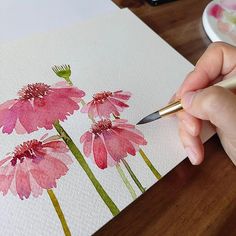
(219, 20)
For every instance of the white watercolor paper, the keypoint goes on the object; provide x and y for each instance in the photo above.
(19, 19)
(114, 52)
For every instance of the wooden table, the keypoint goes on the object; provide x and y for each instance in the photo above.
(190, 200)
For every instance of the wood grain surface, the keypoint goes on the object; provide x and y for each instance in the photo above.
(190, 200)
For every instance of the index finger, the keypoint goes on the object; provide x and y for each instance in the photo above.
(219, 60)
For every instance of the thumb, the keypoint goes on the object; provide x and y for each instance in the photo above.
(215, 104)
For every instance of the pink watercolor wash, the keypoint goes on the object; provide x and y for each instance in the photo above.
(34, 166)
(107, 103)
(225, 15)
(38, 106)
(216, 11)
(110, 141)
(229, 4)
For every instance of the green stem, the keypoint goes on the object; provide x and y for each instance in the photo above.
(149, 164)
(59, 212)
(82, 102)
(133, 176)
(79, 157)
(126, 182)
(68, 80)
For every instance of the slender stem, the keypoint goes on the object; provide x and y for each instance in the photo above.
(68, 80)
(149, 164)
(126, 181)
(79, 157)
(133, 176)
(82, 102)
(59, 212)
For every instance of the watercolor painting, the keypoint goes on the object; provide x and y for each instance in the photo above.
(35, 165)
(72, 157)
(224, 13)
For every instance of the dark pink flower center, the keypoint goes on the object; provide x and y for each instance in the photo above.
(101, 125)
(101, 97)
(37, 90)
(25, 150)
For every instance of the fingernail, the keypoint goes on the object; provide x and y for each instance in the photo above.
(192, 155)
(187, 99)
(190, 128)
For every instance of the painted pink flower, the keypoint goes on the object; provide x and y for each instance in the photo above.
(38, 106)
(110, 141)
(216, 11)
(33, 166)
(106, 103)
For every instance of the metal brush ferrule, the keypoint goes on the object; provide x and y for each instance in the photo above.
(171, 108)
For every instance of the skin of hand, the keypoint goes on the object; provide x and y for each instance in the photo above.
(212, 103)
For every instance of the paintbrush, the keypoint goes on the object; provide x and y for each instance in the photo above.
(176, 106)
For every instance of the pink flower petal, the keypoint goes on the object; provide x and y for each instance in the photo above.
(135, 131)
(19, 128)
(125, 126)
(35, 188)
(27, 116)
(127, 145)
(2, 162)
(13, 186)
(95, 111)
(87, 140)
(8, 119)
(120, 121)
(114, 145)
(110, 161)
(51, 167)
(22, 182)
(131, 136)
(61, 84)
(122, 95)
(5, 183)
(47, 113)
(63, 157)
(99, 152)
(86, 107)
(85, 136)
(56, 146)
(118, 103)
(6, 177)
(7, 105)
(92, 110)
(107, 108)
(47, 171)
(42, 179)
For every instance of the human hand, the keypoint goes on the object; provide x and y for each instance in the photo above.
(214, 103)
